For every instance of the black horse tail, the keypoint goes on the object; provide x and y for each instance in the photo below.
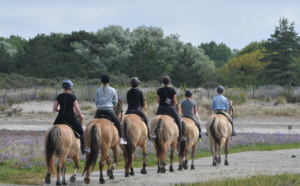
(182, 145)
(159, 143)
(129, 148)
(214, 132)
(52, 143)
(95, 140)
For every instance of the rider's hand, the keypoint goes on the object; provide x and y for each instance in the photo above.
(82, 116)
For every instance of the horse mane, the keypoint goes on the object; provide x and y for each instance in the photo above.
(53, 138)
(118, 108)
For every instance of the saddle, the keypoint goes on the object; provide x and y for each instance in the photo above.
(103, 116)
(66, 123)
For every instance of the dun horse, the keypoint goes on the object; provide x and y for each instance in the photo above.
(192, 133)
(219, 131)
(102, 135)
(61, 142)
(167, 133)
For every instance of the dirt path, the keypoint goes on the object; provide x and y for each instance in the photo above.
(241, 165)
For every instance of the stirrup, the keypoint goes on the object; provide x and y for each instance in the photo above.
(152, 136)
(123, 141)
(182, 138)
(233, 134)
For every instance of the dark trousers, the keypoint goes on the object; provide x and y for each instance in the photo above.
(172, 112)
(112, 116)
(72, 120)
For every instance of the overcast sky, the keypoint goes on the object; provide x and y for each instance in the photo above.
(233, 22)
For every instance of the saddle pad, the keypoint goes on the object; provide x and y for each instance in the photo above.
(65, 123)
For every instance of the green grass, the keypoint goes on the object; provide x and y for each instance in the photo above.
(36, 174)
(257, 180)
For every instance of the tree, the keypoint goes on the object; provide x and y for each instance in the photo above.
(5, 60)
(220, 54)
(252, 47)
(281, 50)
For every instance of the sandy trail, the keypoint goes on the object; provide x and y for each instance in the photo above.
(241, 165)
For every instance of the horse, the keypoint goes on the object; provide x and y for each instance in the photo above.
(219, 131)
(167, 133)
(61, 142)
(192, 133)
(101, 134)
(134, 130)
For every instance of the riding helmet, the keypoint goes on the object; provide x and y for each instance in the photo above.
(105, 78)
(220, 89)
(134, 81)
(67, 84)
(166, 80)
(188, 93)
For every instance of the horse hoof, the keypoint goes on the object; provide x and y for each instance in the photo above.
(185, 166)
(64, 183)
(87, 180)
(143, 171)
(58, 183)
(109, 172)
(112, 177)
(171, 169)
(102, 181)
(226, 163)
(127, 175)
(47, 180)
(214, 164)
(163, 170)
(131, 173)
(72, 179)
(219, 160)
(192, 167)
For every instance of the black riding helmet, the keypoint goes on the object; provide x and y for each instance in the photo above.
(220, 89)
(134, 81)
(188, 93)
(67, 84)
(105, 78)
(166, 80)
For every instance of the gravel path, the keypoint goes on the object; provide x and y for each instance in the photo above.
(241, 165)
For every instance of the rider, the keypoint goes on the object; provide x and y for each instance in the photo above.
(67, 103)
(189, 109)
(220, 105)
(106, 98)
(135, 100)
(166, 98)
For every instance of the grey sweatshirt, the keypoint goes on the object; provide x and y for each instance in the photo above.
(108, 100)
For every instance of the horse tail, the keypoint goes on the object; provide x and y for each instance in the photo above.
(159, 143)
(182, 144)
(214, 131)
(52, 143)
(95, 140)
(129, 148)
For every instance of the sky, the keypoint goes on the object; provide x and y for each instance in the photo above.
(235, 23)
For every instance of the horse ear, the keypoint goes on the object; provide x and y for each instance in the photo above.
(230, 102)
(123, 100)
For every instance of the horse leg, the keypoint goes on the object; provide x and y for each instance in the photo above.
(110, 171)
(48, 178)
(173, 147)
(59, 167)
(76, 161)
(186, 151)
(131, 168)
(212, 146)
(193, 156)
(104, 155)
(144, 171)
(226, 150)
(63, 172)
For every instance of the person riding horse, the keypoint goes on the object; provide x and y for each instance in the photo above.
(189, 109)
(166, 98)
(220, 105)
(135, 100)
(106, 98)
(68, 102)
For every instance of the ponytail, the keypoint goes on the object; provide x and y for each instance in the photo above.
(104, 86)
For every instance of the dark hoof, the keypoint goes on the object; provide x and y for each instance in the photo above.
(192, 167)
(180, 167)
(185, 165)
(171, 169)
(143, 171)
(112, 177)
(48, 178)
(163, 170)
(214, 164)
(87, 180)
(58, 183)
(102, 181)
(127, 175)
(64, 183)
(219, 160)
(109, 172)
(226, 163)
(131, 173)
(72, 179)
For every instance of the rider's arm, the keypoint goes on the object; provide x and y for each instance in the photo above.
(195, 110)
(55, 106)
(181, 110)
(157, 99)
(77, 109)
(142, 99)
(174, 99)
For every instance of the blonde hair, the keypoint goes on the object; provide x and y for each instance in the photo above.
(104, 86)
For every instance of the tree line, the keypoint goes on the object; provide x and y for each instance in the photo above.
(147, 53)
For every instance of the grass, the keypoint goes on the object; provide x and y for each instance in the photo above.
(256, 180)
